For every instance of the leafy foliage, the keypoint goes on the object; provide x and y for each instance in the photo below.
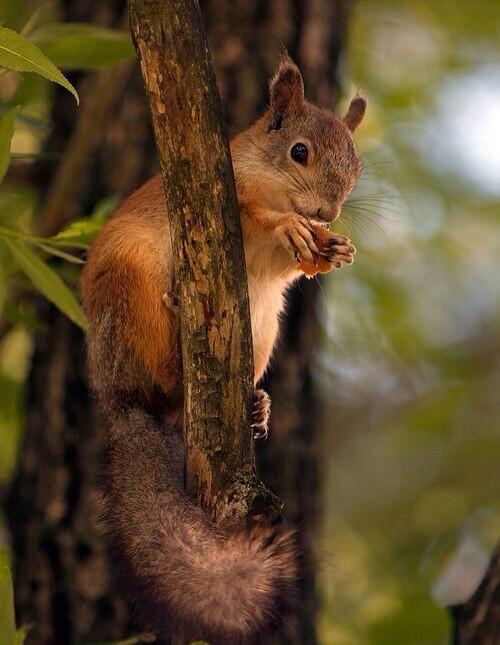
(39, 48)
(9, 635)
(7, 123)
(29, 60)
(45, 280)
(7, 618)
(82, 46)
(21, 55)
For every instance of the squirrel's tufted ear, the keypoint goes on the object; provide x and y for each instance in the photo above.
(356, 112)
(286, 91)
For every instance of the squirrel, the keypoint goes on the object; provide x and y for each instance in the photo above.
(293, 169)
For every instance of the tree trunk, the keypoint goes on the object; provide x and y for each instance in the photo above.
(62, 582)
(477, 621)
(210, 272)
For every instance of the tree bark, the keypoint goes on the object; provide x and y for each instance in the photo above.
(210, 272)
(477, 621)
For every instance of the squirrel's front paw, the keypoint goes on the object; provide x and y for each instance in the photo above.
(296, 234)
(338, 250)
(335, 250)
(261, 412)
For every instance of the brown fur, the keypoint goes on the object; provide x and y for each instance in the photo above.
(219, 585)
(225, 585)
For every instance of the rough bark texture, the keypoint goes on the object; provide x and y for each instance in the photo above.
(477, 622)
(210, 275)
(62, 584)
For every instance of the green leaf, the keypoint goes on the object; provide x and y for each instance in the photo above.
(57, 252)
(48, 244)
(81, 233)
(21, 634)
(78, 234)
(7, 124)
(83, 46)
(21, 55)
(46, 281)
(7, 615)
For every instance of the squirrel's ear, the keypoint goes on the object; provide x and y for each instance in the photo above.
(286, 91)
(356, 112)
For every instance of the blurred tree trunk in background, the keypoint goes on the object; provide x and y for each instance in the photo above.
(477, 621)
(63, 585)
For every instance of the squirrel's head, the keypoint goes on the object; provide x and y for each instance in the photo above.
(311, 148)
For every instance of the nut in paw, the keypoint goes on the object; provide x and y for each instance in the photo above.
(334, 250)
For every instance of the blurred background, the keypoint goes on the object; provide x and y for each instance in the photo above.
(404, 486)
(410, 363)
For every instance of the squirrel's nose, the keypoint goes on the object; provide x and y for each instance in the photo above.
(335, 213)
(328, 214)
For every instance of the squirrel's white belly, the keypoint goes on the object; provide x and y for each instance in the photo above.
(269, 272)
(266, 304)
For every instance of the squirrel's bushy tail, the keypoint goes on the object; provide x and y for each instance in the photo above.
(179, 567)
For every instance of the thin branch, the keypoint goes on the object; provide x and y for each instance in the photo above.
(207, 245)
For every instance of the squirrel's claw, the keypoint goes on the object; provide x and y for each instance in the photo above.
(171, 300)
(261, 412)
(339, 250)
(296, 235)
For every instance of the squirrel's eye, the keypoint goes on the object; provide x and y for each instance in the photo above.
(299, 153)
